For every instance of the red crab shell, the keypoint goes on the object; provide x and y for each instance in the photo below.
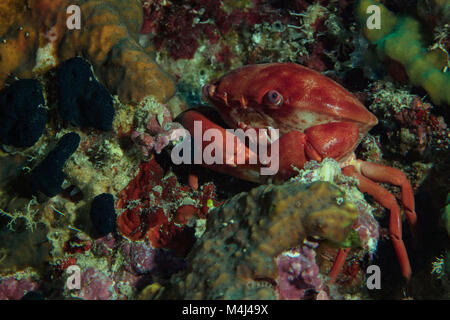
(309, 99)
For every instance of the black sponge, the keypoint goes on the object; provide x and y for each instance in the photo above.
(83, 101)
(48, 177)
(22, 115)
(103, 214)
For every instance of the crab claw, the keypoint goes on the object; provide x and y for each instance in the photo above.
(200, 128)
(332, 140)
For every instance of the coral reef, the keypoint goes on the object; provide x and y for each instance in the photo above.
(264, 32)
(276, 218)
(269, 242)
(95, 286)
(112, 268)
(108, 39)
(179, 26)
(20, 250)
(139, 256)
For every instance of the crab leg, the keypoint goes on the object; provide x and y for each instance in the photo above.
(387, 200)
(380, 173)
(338, 264)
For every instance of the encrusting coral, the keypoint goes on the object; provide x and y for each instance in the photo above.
(38, 38)
(250, 230)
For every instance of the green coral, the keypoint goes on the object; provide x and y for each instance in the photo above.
(400, 39)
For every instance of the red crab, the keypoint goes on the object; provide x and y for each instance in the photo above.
(317, 118)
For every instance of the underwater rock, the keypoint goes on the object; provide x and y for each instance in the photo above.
(103, 214)
(48, 176)
(275, 218)
(83, 101)
(22, 113)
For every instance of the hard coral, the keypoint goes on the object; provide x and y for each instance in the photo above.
(276, 218)
(107, 38)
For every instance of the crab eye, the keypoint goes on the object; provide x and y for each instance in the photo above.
(208, 90)
(273, 98)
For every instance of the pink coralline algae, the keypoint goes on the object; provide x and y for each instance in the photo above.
(367, 227)
(157, 132)
(95, 285)
(105, 285)
(140, 256)
(14, 289)
(299, 274)
(104, 246)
